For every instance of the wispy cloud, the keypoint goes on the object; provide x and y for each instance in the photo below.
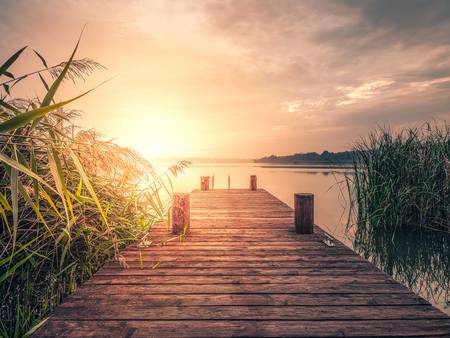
(364, 91)
(316, 73)
(280, 127)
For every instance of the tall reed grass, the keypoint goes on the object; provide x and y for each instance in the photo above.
(402, 180)
(68, 200)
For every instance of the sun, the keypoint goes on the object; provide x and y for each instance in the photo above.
(156, 133)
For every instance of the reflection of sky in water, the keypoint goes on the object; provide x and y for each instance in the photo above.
(421, 261)
(330, 214)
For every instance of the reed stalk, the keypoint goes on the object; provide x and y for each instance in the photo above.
(69, 201)
(401, 181)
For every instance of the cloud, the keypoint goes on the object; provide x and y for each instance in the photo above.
(364, 91)
(328, 57)
(443, 85)
(280, 127)
(383, 23)
(317, 73)
(305, 105)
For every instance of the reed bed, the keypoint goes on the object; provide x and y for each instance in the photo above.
(402, 180)
(68, 200)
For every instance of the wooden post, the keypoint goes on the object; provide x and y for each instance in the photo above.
(229, 182)
(304, 213)
(204, 183)
(212, 182)
(253, 186)
(181, 213)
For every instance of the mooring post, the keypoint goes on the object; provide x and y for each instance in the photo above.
(253, 186)
(181, 219)
(204, 183)
(304, 213)
(229, 182)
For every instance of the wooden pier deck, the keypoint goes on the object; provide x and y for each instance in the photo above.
(243, 271)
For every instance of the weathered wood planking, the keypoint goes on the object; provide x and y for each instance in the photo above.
(243, 272)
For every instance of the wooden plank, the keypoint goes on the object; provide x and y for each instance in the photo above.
(285, 312)
(316, 252)
(224, 271)
(241, 328)
(243, 271)
(269, 233)
(236, 238)
(268, 248)
(245, 299)
(330, 288)
(253, 279)
(236, 264)
(227, 246)
(231, 258)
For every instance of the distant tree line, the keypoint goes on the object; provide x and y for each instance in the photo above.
(313, 157)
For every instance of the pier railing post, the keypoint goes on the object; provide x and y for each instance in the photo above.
(304, 213)
(253, 186)
(181, 219)
(204, 183)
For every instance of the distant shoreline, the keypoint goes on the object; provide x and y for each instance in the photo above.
(326, 158)
(315, 160)
(306, 165)
(266, 165)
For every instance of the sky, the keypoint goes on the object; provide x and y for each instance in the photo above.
(241, 78)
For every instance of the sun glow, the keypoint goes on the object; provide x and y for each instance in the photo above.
(159, 135)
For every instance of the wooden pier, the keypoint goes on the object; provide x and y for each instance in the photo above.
(243, 271)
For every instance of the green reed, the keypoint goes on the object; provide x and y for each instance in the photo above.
(402, 180)
(68, 200)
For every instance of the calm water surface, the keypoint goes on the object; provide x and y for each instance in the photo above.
(419, 261)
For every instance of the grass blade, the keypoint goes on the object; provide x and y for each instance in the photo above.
(22, 119)
(55, 85)
(87, 184)
(59, 182)
(41, 58)
(15, 202)
(19, 167)
(10, 61)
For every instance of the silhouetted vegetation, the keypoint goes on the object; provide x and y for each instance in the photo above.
(345, 157)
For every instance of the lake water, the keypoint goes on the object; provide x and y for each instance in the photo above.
(420, 261)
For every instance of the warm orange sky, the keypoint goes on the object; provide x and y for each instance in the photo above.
(242, 78)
